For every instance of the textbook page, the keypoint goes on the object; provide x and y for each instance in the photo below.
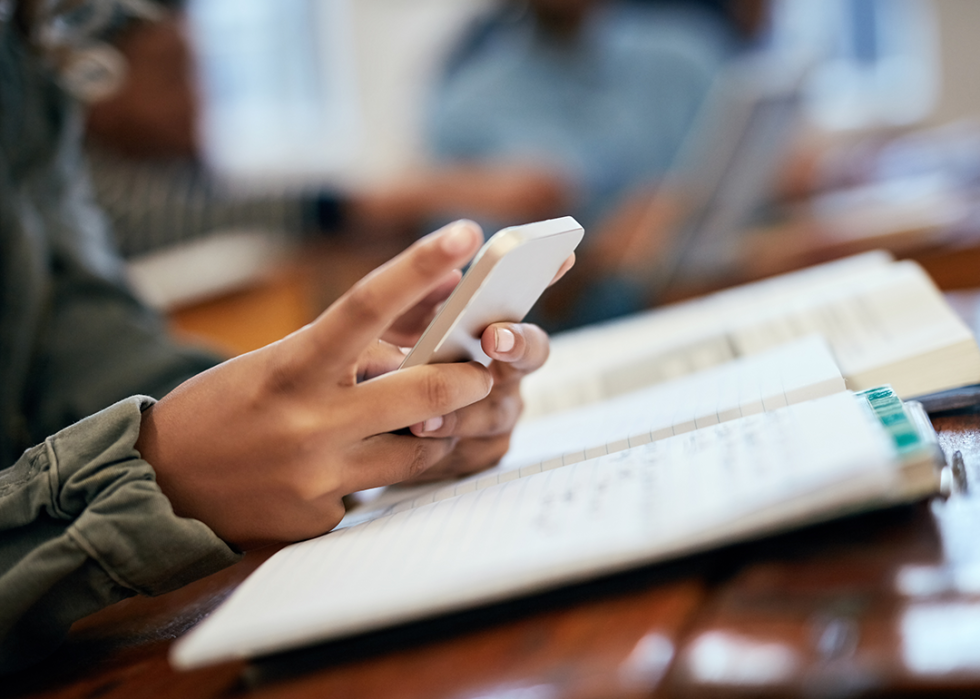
(593, 347)
(789, 373)
(885, 323)
(686, 493)
(592, 342)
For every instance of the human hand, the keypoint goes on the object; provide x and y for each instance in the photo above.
(482, 429)
(263, 447)
(499, 191)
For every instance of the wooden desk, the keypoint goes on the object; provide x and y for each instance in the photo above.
(878, 604)
(873, 604)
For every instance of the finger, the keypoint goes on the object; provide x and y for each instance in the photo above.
(519, 347)
(386, 459)
(565, 266)
(494, 415)
(469, 456)
(408, 328)
(362, 314)
(402, 398)
(378, 359)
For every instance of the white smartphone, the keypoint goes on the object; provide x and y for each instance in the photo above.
(506, 277)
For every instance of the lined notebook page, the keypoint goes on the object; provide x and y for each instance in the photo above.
(790, 373)
(885, 323)
(666, 497)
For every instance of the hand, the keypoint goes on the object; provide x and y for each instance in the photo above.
(482, 429)
(408, 328)
(263, 447)
(502, 192)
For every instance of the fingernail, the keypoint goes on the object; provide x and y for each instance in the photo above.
(458, 238)
(503, 339)
(432, 424)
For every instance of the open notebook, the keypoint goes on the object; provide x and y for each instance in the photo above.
(786, 374)
(715, 484)
(693, 426)
(856, 323)
(884, 321)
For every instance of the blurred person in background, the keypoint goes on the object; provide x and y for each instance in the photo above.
(148, 175)
(106, 491)
(605, 92)
(602, 92)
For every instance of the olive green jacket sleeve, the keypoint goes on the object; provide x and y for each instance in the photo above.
(83, 524)
(82, 521)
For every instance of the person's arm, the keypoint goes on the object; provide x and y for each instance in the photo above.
(82, 525)
(259, 449)
(263, 447)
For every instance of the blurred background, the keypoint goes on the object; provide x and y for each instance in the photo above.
(700, 142)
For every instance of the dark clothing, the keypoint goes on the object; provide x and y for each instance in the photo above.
(82, 522)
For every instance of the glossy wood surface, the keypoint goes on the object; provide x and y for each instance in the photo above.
(883, 602)
(878, 604)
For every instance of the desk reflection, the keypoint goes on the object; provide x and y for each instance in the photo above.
(873, 605)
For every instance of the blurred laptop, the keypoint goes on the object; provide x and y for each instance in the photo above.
(838, 64)
(727, 168)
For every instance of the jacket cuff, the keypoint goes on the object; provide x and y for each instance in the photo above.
(120, 517)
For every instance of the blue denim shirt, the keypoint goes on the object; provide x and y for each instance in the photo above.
(608, 108)
(82, 522)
